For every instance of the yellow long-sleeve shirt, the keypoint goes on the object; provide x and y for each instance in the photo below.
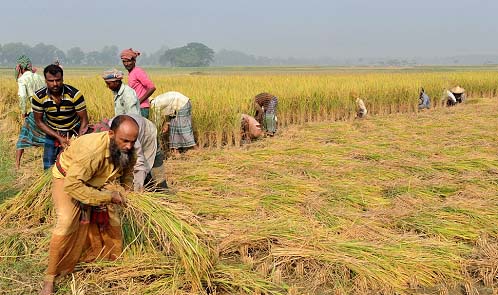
(88, 166)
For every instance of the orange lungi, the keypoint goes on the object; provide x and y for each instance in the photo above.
(75, 239)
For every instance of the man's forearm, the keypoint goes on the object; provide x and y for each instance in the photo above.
(147, 94)
(45, 128)
(83, 122)
(83, 128)
(86, 194)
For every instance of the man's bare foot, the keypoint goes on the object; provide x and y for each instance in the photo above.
(48, 288)
(175, 154)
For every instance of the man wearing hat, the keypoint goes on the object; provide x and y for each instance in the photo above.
(459, 93)
(138, 80)
(125, 98)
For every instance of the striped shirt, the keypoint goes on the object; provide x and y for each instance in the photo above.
(61, 117)
(263, 99)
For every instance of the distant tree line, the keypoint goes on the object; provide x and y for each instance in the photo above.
(199, 55)
(190, 55)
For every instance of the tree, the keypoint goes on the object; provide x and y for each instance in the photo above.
(46, 54)
(109, 55)
(234, 58)
(11, 51)
(191, 55)
(75, 56)
(93, 58)
(154, 57)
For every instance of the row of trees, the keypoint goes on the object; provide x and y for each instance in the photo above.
(190, 55)
(200, 55)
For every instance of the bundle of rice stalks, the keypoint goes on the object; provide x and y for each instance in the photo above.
(389, 268)
(456, 223)
(152, 220)
(147, 274)
(16, 242)
(32, 207)
(484, 262)
(150, 223)
(238, 279)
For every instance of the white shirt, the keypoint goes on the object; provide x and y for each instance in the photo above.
(27, 84)
(450, 96)
(167, 104)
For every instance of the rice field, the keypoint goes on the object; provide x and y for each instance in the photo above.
(402, 202)
(218, 98)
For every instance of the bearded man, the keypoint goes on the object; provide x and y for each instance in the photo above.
(89, 178)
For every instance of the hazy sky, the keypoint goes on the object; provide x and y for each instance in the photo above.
(311, 28)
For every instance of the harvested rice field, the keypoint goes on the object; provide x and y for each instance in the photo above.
(390, 204)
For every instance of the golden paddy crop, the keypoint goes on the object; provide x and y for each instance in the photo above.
(219, 99)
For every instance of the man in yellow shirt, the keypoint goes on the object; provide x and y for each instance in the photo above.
(89, 177)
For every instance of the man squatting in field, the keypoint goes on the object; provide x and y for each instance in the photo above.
(88, 179)
(149, 165)
(361, 109)
(125, 99)
(266, 109)
(138, 80)
(251, 129)
(28, 82)
(65, 111)
(424, 100)
(459, 93)
(449, 97)
(174, 113)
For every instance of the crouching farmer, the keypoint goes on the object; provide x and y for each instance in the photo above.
(89, 177)
(251, 129)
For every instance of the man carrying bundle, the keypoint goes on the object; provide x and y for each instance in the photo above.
(89, 177)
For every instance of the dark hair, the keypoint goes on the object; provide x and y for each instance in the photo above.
(116, 122)
(53, 70)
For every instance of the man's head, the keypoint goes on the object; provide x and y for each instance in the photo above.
(54, 78)
(23, 63)
(123, 134)
(113, 79)
(129, 58)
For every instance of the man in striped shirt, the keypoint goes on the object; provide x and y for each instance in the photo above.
(65, 110)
